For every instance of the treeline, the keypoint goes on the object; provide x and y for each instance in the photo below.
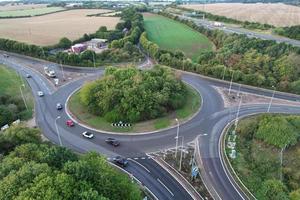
(122, 48)
(32, 169)
(132, 95)
(245, 24)
(252, 61)
(292, 32)
(260, 140)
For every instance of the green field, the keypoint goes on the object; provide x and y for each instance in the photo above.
(10, 84)
(172, 35)
(193, 102)
(29, 12)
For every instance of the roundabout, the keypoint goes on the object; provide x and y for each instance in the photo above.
(208, 122)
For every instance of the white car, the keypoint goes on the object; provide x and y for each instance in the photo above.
(40, 93)
(88, 134)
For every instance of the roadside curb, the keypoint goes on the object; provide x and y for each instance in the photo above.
(179, 178)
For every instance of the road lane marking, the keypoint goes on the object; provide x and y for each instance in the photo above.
(165, 186)
(145, 168)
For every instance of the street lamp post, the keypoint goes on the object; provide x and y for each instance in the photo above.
(59, 139)
(224, 72)
(62, 71)
(181, 153)
(271, 99)
(177, 135)
(231, 83)
(238, 112)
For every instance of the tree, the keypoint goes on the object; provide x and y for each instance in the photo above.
(132, 95)
(64, 43)
(274, 190)
(276, 131)
(295, 195)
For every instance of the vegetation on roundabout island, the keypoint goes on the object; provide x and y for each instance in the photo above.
(261, 142)
(134, 96)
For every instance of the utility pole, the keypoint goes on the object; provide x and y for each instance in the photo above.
(177, 137)
(94, 60)
(231, 83)
(271, 99)
(238, 94)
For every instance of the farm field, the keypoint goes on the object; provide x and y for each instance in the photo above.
(48, 29)
(172, 35)
(29, 12)
(21, 6)
(277, 14)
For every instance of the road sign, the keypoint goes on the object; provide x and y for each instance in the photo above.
(195, 171)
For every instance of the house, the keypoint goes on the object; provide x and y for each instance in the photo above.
(96, 43)
(78, 48)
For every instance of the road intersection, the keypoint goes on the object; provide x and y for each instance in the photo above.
(208, 122)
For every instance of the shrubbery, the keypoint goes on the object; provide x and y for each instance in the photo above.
(31, 169)
(133, 95)
(259, 143)
(292, 32)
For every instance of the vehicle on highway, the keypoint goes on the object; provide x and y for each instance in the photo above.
(88, 134)
(59, 106)
(69, 123)
(114, 142)
(40, 93)
(123, 162)
(28, 76)
(5, 55)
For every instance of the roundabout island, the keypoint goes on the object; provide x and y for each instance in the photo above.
(114, 104)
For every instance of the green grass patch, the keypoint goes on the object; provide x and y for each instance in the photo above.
(11, 83)
(172, 35)
(193, 101)
(30, 12)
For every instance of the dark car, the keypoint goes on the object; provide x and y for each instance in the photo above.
(59, 106)
(123, 162)
(112, 141)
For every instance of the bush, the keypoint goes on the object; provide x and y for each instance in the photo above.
(132, 95)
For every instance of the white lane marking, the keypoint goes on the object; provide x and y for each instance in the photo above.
(165, 186)
(140, 165)
(135, 158)
(143, 158)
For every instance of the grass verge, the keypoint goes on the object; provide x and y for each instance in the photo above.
(12, 84)
(193, 101)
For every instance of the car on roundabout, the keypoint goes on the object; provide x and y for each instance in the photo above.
(118, 160)
(69, 123)
(87, 134)
(59, 106)
(112, 141)
(40, 93)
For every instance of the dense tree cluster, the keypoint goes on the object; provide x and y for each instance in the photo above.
(132, 95)
(252, 61)
(292, 32)
(11, 109)
(31, 169)
(260, 140)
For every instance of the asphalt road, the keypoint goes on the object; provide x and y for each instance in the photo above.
(252, 34)
(209, 123)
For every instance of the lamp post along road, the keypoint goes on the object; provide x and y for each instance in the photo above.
(180, 162)
(231, 82)
(58, 135)
(270, 104)
(176, 148)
